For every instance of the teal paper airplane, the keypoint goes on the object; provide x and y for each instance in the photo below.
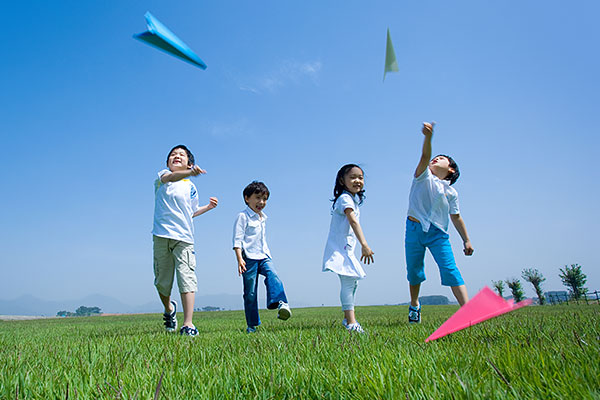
(162, 38)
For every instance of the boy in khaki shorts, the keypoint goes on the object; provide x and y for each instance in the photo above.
(176, 203)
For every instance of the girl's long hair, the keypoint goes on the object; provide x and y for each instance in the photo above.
(339, 187)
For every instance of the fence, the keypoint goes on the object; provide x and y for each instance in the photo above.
(587, 298)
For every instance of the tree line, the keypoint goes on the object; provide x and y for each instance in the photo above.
(82, 311)
(571, 276)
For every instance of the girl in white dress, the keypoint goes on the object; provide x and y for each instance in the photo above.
(344, 230)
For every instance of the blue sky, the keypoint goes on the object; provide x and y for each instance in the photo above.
(294, 90)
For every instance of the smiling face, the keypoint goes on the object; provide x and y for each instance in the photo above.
(354, 180)
(178, 160)
(440, 167)
(257, 202)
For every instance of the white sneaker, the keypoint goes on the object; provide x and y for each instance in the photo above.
(284, 311)
(355, 327)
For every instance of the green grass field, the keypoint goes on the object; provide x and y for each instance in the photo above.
(550, 352)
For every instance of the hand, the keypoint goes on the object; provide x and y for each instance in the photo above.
(241, 267)
(213, 203)
(428, 128)
(196, 170)
(367, 255)
(468, 249)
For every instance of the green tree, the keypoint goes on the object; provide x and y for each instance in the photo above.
(517, 290)
(499, 286)
(84, 311)
(574, 279)
(536, 278)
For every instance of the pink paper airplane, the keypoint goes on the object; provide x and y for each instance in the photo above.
(485, 305)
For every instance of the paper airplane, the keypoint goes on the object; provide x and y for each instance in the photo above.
(162, 38)
(485, 305)
(391, 65)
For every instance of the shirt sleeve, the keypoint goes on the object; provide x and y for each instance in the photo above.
(424, 175)
(239, 230)
(194, 197)
(162, 172)
(343, 202)
(453, 201)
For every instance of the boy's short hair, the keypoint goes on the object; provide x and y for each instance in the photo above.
(255, 187)
(452, 176)
(191, 160)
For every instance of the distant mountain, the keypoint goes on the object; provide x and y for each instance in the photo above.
(31, 305)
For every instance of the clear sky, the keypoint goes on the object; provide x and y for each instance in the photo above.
(294, 90)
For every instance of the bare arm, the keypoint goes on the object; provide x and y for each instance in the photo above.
(367, 253)
(240, 260)
(460, 226)
(239, 228)
(426, 152)
(175, 176)
(212, 204)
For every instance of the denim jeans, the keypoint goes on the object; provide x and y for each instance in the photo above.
(275, 292)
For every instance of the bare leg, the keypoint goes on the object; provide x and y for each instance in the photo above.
(460, 292)
(187, 300)
(414, 294)
(166, 300)
(349, 315)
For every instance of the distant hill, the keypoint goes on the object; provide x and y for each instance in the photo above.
(433, 300)
(31, 305)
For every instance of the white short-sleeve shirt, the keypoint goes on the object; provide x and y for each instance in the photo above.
(174, 205)
(339, 254)
(250, 234)
(431, 200)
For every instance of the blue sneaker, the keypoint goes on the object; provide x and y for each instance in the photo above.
(251, 329)
(414, 314)
(171, 318)
(188, 331)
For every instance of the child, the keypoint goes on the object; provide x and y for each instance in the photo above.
(348, 194)
(254, 258)
(431, 200)
(176, 203)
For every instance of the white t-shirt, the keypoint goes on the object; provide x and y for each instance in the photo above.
(250, 234)
(339, 254)
(431, 200)
(174, 205)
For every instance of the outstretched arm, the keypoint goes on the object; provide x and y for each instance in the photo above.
(367, 253)
(175, 176)
(426, 152)
(460, 226)
(213, 202)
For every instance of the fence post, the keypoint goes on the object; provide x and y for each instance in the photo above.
(598, 301)
(586, 299)
(567, 299)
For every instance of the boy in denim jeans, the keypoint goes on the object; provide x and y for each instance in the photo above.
(254, 258)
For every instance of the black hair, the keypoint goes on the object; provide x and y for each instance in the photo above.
(255, 187)
(452, 176)
(191, 160)
(339, 187)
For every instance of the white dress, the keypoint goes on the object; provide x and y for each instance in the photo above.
(339, 254)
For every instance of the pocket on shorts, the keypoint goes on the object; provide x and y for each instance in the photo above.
(191, 259)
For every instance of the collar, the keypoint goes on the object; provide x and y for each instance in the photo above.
(254, 215)
(354, 196)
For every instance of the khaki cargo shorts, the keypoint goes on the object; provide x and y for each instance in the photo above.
(174, 257)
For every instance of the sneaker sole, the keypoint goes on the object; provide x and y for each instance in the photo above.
(284, 314)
